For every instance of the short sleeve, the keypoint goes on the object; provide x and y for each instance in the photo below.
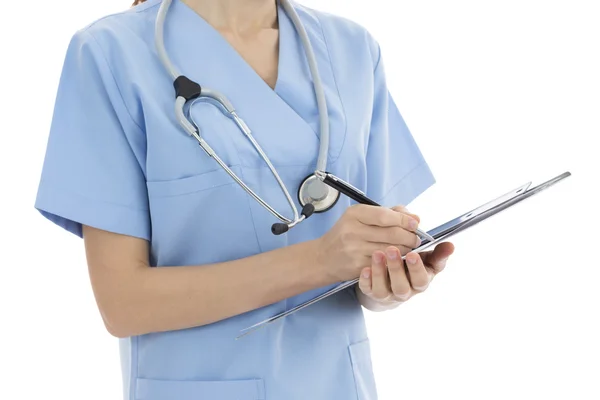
(396, 170)
(92, 171)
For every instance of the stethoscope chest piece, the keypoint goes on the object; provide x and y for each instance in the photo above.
(314, 191)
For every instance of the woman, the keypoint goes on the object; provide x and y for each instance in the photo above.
(121, 173)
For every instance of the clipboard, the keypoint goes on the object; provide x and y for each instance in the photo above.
(440, 233)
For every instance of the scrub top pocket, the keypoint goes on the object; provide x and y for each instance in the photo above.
(360, 356)
(205, 218)
(150, 389)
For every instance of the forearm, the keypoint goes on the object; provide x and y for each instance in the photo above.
(170, 298)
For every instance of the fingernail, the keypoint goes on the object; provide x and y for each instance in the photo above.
(411, 260)
(379, 258)
(392, 254)
(366, 274)
(413, 224)
(418, 241)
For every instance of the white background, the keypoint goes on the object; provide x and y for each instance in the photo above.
(496, 93)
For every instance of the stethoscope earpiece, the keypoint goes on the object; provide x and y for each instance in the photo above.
(281, 228)
(308, 210)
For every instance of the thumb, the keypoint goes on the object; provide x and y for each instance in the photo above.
(436, 258)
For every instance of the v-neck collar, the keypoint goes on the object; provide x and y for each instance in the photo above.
(219, 66)
(284, 120)
(284, 25)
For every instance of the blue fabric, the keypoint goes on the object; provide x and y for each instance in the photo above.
(118, 160)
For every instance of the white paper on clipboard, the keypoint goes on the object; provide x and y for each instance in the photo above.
(440, 233)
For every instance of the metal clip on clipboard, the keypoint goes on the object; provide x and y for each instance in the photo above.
(442, 232)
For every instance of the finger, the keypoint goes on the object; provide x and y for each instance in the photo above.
(364, 282)
(383, 217)
(379, 281)
(399, 283)
(404, 210)
(393, 236)
(418, 275)
(369, 248)
(436, 259)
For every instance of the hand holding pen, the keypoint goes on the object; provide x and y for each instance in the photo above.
(396, 273)
(356, 195)
(346, 249)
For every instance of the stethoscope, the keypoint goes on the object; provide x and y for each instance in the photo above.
(313, 194)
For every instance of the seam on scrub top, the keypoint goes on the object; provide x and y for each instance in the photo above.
(400, 181)
(378, 58)
(112, 74)
(277, 166)
(165, 196)
(352, 371)
(50, 186)
(140, 10)
(133, 379)
(337, 88)
(251, 213)
(241, 174)
(216, 169)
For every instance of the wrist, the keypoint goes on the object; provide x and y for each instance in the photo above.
(317, 264)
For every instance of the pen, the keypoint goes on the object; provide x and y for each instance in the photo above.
(355, 194)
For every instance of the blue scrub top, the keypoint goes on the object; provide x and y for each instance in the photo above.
(118, 160)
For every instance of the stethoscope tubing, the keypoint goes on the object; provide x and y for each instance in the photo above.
(205, 94)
